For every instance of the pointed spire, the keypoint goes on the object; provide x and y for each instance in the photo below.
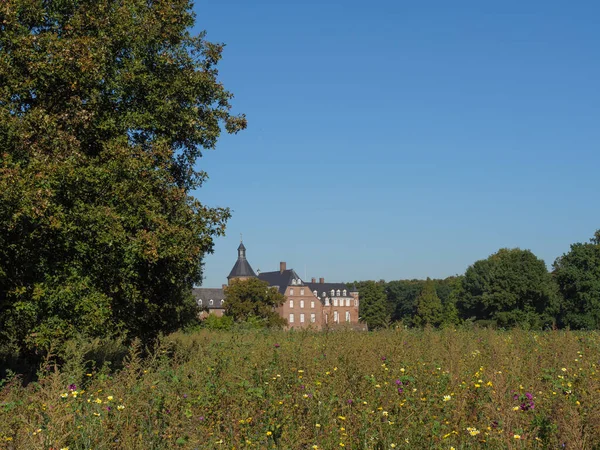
(241, 268)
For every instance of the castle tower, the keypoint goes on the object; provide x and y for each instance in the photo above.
(241, 270)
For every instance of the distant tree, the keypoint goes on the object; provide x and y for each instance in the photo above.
(402, 296)
(373, 309)
(577, 274)
(511, 287)
(105, 108)
(251, 299)
(429, 309)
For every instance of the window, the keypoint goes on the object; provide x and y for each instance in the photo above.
(338, 292)
(336, 319)
(222, 302)
(301, 303)
(332, 292)
(344, 292)
(312, 305)
(293, 281)
(315, 293)
(347, 316)
(200, 302)
(347, 302)
(326, 318)
(291, 303)
(355, 302)
(324, 294)
(291, 291)
(291, 318)
(302, 291)
(335, 302)
(210, 302)
(301, 318)
(313, 318)
(326, 302)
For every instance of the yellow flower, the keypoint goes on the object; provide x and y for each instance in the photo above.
(318, 425)
(97, 400)
(269, 433)
(342, 444)
(341, 418)
(64, 448)
(393, 445)
(447, 398)
(315, 447)
(516, 408)
(65, 395)
(121, 407)
(385, 413)
(517, 436)
(110, 397)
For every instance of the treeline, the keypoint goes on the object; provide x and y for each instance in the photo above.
(512, 287)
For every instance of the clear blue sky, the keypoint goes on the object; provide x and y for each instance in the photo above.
(395, 139)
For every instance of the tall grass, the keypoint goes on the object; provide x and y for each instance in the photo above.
(301, 390)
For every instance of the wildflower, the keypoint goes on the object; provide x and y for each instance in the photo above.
(342, 444)
(385, 413)
(447, 398)
(65, 395)
(109, 398)
(402, 369)
(269, 433)
(473, 431)
(277, 346)
(399, 382)
(393, 445)
(72, 387)
(64, 448)
(318, 425)
(564, 369)
(121, 407)
(315, 447)
(341, 418)
(517, 436)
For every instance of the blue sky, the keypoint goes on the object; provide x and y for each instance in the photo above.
(394, 139)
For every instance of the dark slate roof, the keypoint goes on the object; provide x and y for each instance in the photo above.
(281, 279)
(327, 287)
(241, 267)
(207, 294)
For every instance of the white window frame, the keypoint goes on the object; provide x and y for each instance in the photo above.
(335, 302)
(301, 291)
(347, 316)
(200, 302)
(336, 317)
(347, 302)
(301, 303)
(291, 320)
(292, 291)
(291, 302)
(344, 292)
(210, 302)
(313, 318)
(302, 318)
(312, 305)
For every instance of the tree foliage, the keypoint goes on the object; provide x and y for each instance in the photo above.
(510, 287)
(429, 309)
(373, 308)
(577, 274)
(251, 299)
(105, 108)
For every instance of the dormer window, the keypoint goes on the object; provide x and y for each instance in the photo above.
(338, 292)
(200, 302)
(294, 281)
(222, 302)
(210, 302)
(332, 292)
(324, 294)
(315, 293)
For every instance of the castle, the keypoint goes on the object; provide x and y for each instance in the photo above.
(316, 305)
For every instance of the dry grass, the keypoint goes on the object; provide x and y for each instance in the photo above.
(390, 389)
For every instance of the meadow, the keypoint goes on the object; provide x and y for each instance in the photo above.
(424, 389)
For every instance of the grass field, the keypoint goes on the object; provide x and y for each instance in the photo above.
(446, 389)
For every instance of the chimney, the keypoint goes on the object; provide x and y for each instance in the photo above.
(321, 280)
(282, 266)
(313, 280)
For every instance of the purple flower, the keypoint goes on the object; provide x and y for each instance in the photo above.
(399, 382)
(276, 345)
(184, 395)
(201, 418)
(400, 390)
(108, 408)
(72, 387)
(383, 358)
(349, 401)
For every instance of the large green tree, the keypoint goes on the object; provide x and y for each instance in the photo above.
(511, 287)
(105, 107)
(429, 309)
(372, 308)
(577, 274)
(252, 299)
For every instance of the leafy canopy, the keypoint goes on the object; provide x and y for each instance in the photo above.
(253, 299)
(510, 287)
(105, 108)
(577, 274)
